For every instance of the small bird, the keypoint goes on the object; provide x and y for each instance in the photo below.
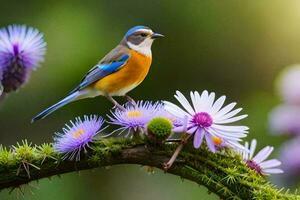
(119, 72)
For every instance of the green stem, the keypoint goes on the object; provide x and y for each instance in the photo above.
(222, 173)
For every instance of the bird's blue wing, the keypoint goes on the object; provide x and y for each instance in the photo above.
(101, 70)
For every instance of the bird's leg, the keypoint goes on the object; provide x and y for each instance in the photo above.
(131, 100)
(115, 103)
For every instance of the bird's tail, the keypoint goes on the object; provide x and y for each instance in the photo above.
(71, 97)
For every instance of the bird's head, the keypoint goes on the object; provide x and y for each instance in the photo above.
(140, 39)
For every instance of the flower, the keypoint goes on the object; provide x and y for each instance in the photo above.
(290, 157)
(136, 117)
(284, 119)
(77, 137)
(259, 162)
(21, 50)
(288, 84)
(206, 118)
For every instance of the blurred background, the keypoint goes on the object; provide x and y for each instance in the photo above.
(230, 47)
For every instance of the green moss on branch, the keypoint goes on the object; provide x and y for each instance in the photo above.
(222, 173)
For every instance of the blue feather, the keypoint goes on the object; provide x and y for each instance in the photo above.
(56, 106)
(102, 70)
(134, 29)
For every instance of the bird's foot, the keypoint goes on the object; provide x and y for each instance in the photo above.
(131, 100)
(116, 104)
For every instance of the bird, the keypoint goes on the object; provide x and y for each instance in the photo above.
(117, 73)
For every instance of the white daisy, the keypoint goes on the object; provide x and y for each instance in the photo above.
(259, 162)
(207, 118)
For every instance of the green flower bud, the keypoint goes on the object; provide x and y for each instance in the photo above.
(159, 129)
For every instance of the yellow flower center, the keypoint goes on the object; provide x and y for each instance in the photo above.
(216, 140)
(134, 113)
(78, 133)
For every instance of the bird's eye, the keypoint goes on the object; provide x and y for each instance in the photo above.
(143, 34)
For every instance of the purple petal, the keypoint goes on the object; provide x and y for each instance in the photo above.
(198, 138)
(210, 143)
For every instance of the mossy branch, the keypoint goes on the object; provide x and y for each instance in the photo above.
(223, 173)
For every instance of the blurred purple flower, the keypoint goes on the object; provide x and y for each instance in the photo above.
(207, 119)
(290, 156)
(136, 117)
(259, 162)
(285, 119)
(288, 84)
(77, 137)
(21, 50)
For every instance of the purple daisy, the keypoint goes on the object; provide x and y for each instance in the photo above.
(207, 118)
(21, 51)
(259, 162)
(290, 157)
(136, 117)
(77, 137)
(284, 119)
(288, 84)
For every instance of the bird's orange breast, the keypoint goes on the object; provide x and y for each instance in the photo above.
(126, 78)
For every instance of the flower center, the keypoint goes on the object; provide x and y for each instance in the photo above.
(202, 119)
(16, 49)
(134, 113)
(216, 140)
(78, 133)
(253, 165)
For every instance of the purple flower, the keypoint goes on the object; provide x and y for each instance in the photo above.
(288, 84)
(285, 119)
(290, 157)
(136, 117)
(207, 118)
(77, 137)
(259, 162)
(21, 50)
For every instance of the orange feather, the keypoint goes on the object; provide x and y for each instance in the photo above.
(128, 77)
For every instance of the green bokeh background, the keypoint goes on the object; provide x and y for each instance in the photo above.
(231, 47)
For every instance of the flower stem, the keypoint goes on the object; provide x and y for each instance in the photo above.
(176, 152)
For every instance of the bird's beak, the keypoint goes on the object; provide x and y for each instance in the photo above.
(157, 35)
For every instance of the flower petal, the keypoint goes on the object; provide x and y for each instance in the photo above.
(184, 102)
(273, 171)
(263, 154)
(252, 148)
(230, 120)
(198, 138)
(270, 164)
(218, 105)
(175, 110)
(224, 110)
(210, 143)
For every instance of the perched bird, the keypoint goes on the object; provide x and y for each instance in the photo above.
(120, 71)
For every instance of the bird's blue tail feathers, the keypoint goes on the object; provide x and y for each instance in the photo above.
(71, 97)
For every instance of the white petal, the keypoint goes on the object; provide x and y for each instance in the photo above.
(203, 101)
(230, 128)
(263, 154)
(270, 164)
(245, 154)
(211, 99)
(218, 105)
(184, 102)
(194, 101)
(273, 171)
(224, 110)
(226, 134)
(175, 110)
(231, 120)
(230, 114)
(252, 148)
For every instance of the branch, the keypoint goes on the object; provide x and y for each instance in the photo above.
(222, 173)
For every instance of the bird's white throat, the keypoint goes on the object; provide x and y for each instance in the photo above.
(143, 48)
